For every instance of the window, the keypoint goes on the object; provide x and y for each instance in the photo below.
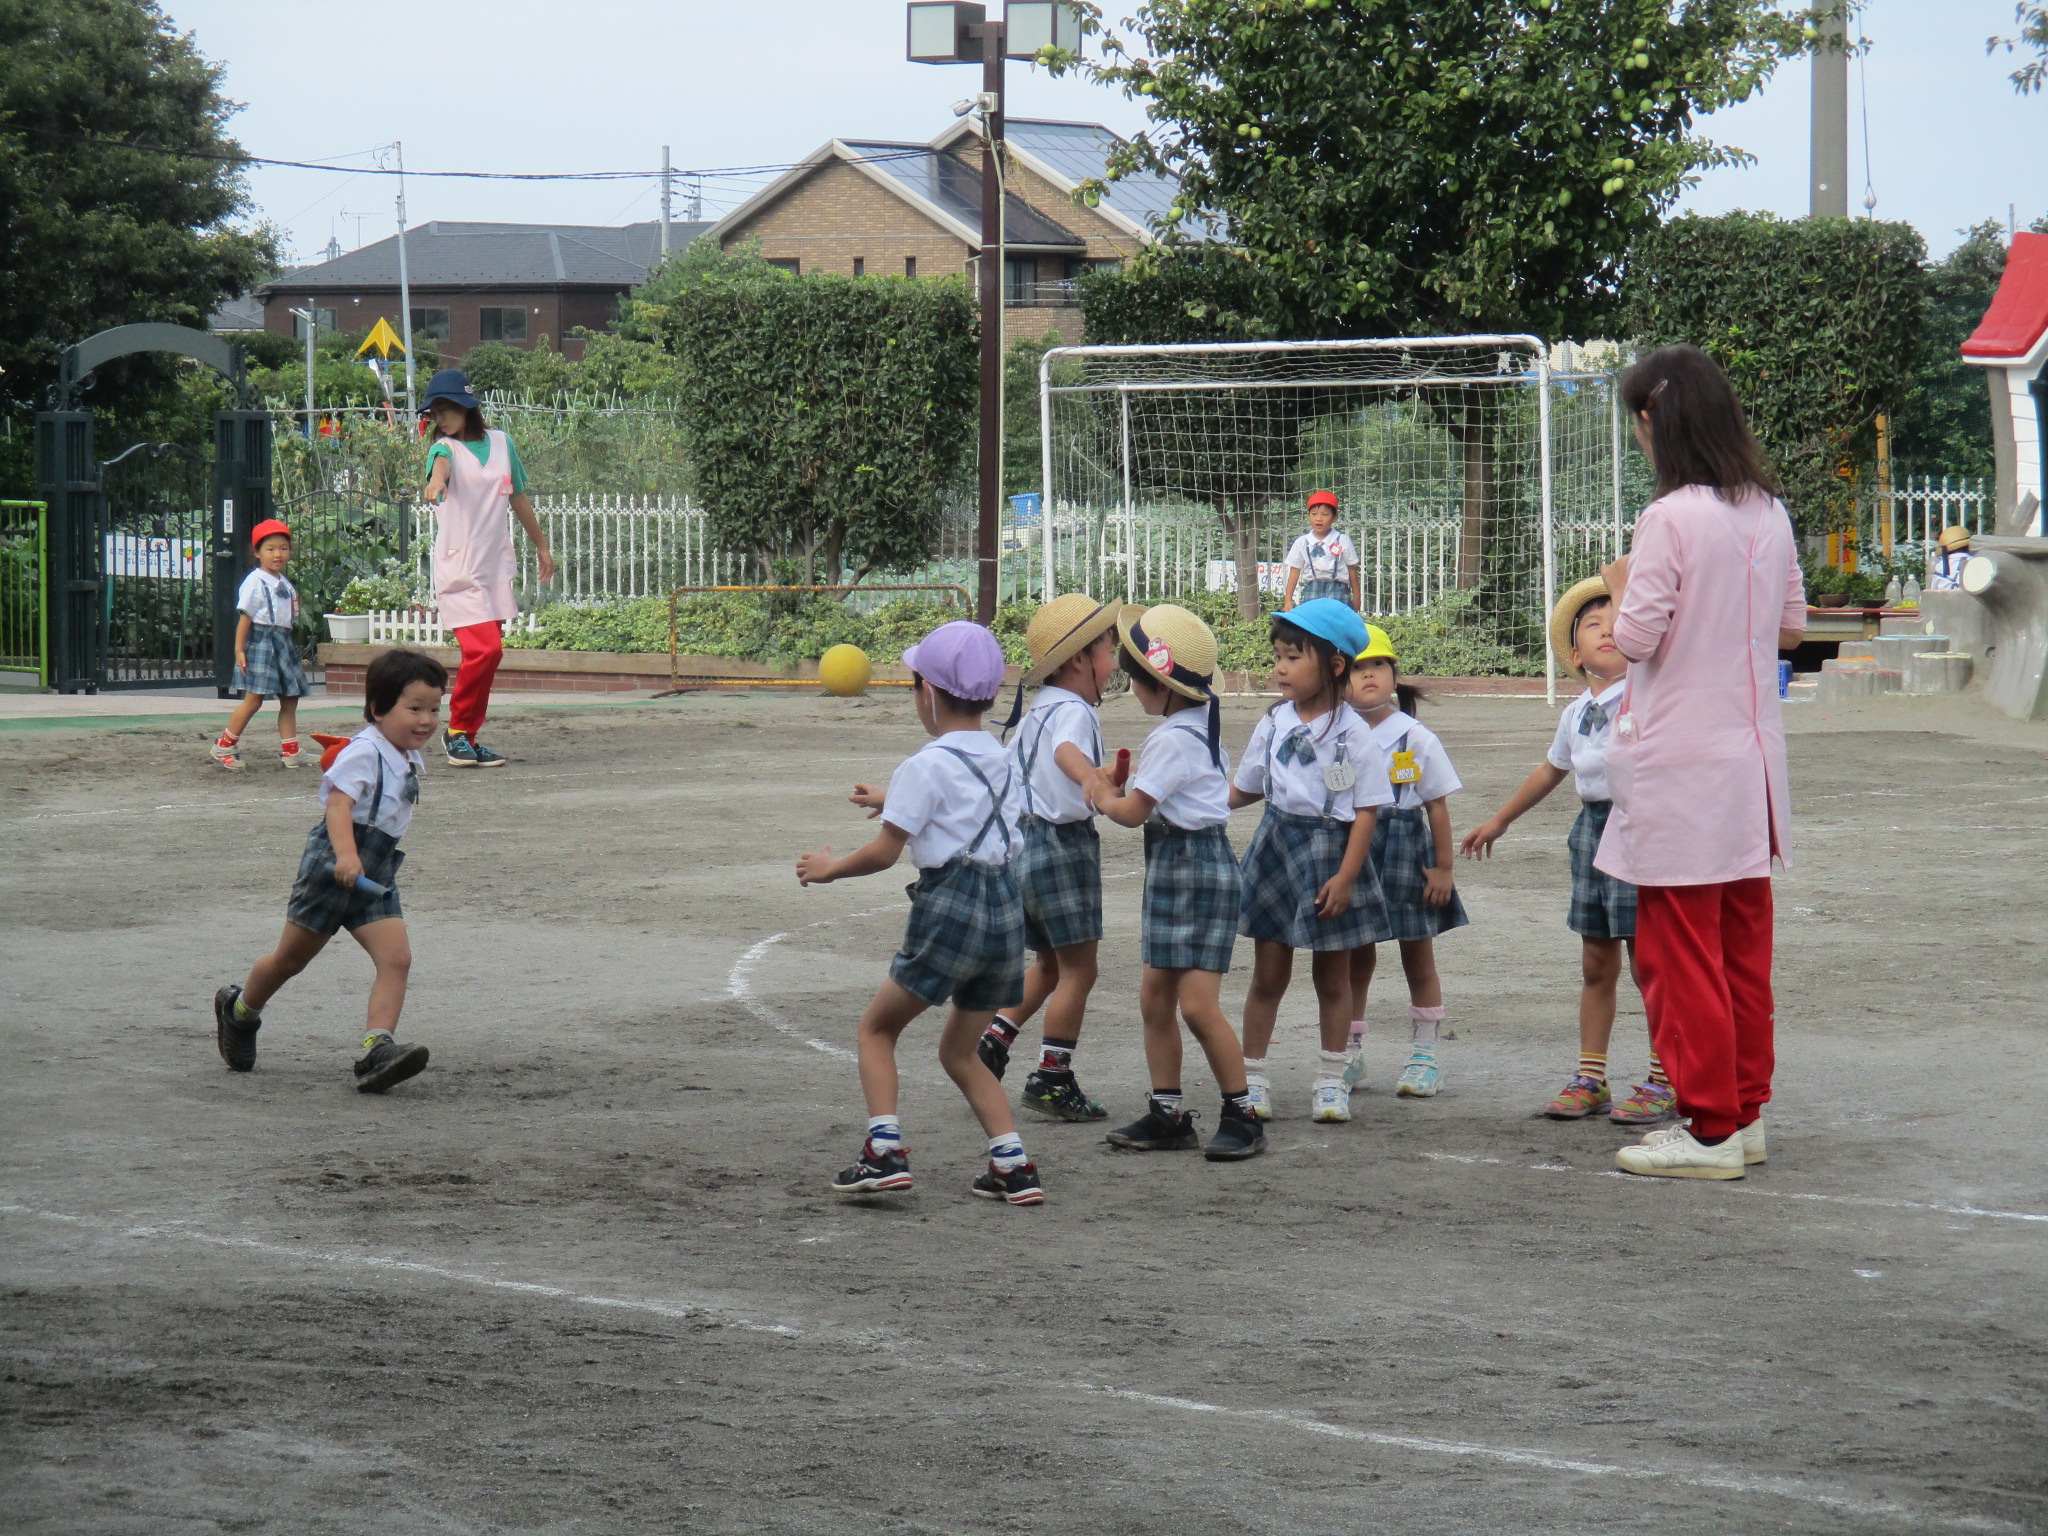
(324, 318)
(507, 324)
(788, 264)
(1020, 279)
(433, 324)
(860, 266)
(910, 266)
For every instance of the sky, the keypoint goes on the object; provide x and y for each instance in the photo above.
(537, 85)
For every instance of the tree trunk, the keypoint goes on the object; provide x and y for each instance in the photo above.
(1475, 452)
(1243, 528)
(833, 561)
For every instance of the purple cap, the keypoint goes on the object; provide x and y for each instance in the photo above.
(961, 657)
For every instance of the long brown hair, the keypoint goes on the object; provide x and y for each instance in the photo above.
(1698, 434)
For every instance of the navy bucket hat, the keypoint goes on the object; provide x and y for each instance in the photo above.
(452, 385)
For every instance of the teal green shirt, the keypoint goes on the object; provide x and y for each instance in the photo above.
(482, 451)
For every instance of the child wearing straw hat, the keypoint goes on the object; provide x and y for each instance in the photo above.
(1946, 573)
(1603, 909)
(1180, 795)
(1058, 748)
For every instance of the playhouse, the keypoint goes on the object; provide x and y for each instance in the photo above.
(2011, 346)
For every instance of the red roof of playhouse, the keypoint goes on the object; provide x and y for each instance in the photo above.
(2018, 317)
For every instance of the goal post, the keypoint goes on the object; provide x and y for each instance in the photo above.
(1477, 475)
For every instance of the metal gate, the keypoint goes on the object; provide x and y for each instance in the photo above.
(156, 620)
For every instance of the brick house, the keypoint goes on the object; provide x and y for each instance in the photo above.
(472, 283)
(877, 207)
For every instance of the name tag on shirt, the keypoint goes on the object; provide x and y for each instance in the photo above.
(1404, 769)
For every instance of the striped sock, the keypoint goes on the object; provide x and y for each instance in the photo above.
(1657, 1069)
(1593, 1064)
(1006, 1152)
(885, 1133)
(1168, 1101)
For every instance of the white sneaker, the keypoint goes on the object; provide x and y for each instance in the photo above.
(1671, 1153)
(1753, 1149)
(1421, 1078)
(1330, 1100)
(1354, 1066)
(1260, 1092)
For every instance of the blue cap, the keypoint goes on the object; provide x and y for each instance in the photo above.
(1330, 620)
(452, 385)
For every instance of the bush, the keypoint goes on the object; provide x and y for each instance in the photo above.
(394, 585)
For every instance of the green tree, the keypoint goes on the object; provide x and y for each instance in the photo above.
(1023, 465)
(2032, 17)
(118, 193)
(826, 416)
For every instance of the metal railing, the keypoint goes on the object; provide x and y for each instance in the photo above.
(24, 624)
(1915, 510)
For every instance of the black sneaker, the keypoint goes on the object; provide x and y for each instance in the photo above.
(1058, 1097)
(1019, 1186)
(873, 1173)
(386, 1064)
(460, 749)
(1157, 1131)
(994, 1052)
(235, 1038)
(485, 757)
(1237, 1137)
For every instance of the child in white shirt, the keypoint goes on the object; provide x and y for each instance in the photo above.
(266, 659)
(1322, 562)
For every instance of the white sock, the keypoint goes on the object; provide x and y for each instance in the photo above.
(1006, 1152)
(1332, 1063)
(1358, 1028)
(1255, 1064)
(1424, 1022)
(886, 1133)
(1169, 1102)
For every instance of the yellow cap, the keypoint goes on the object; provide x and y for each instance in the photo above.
(1376, 644)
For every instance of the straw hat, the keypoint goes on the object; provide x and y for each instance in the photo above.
(1174, 644)
(1564, 620)
(1953, 537)
(1061, 630)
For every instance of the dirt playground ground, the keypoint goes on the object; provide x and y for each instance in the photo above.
(583, 1275)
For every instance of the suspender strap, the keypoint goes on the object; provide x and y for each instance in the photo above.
(1400, 746)
(996, 798)
(1030, 754)
(377, 798)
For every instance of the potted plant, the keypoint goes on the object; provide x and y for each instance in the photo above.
(1828, 586)
(390, 588)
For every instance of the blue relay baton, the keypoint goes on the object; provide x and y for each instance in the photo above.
(371, 888)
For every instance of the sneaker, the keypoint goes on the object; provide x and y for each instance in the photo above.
(235, 1038)
(460, 749)
(874, 1173)
(1420, 1078)
(485, 757)
(1646, 1104)
(1673, 1154)
(385, 1064)
(1157, 1131)
(1237, 1137)
(288, 753)
(1019, 1186)
(1058, 1097)
(227, 753)
(994, 1052)
(1261, 1091)
(1580, 1097)
(1330, 1100)
(1753, 1149)
(1354, 1067)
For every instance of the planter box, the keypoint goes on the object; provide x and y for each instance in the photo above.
(348, 628)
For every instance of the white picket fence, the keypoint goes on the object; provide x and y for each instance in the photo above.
(421, 626)
(1916, 510)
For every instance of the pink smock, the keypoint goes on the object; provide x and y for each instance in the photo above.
(473, 566)
(1696, 764)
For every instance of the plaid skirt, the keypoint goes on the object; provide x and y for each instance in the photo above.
(1290, 859)
(273, 669)
(1602, 906)
(1059, 877)
(965, 938)
(1192, 895)
(1309, 591)
(322, 903)
(1402, 848)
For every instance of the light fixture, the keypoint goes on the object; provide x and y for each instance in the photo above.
(940, 32)
(1030, 26)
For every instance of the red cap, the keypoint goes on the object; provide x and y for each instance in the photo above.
(1322, 498)
(265, 529)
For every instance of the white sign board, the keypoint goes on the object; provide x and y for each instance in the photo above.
(1221, 575)
(168, 559)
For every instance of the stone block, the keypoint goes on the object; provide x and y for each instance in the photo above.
(1938, 672)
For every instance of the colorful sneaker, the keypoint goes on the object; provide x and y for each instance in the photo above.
(1237, 1137)
(1261, 1092)
(385, 1063)
(1673, 1154)
(1646, 1104)
(1754, 1150)
(485, 757)
(1019, 1186)
(1330, 1100)
(1580, 1097)
(460, 749)
(994, 1052)
(1057, 1096)
(288, 753)
(874, 1173)
(235, 1038)
(227, 753)
(1157, 1130)
(1354, 1065)
(1420, 1078)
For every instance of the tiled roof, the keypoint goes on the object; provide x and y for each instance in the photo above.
(952, 184)
(442, 254)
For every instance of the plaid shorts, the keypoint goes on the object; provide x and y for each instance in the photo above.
(1290, 859)
(965, 938)
(321, 903)
(1059, 876)
(1401, 849)
(273, 669)
(1192, 895)
(1309, 591)
(1602, 906)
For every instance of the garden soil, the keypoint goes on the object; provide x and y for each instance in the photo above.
(584, 1275)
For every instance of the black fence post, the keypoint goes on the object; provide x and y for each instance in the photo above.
(67, 478)
(241, 500)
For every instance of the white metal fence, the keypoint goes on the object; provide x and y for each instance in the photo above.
(1917, 509)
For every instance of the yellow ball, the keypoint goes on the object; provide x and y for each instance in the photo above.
(845, 671)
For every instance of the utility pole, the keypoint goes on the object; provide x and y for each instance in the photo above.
(664, 202)
(412, 403)
(1829, 192)
(987, 547)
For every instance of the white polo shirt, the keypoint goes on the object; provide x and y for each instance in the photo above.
(1299, 788)
(1582, 751)
(1055, 716)
(355, 774)
(936, 799)
(1402, 732)
(1329, 558)
(1174, 769)
(267, 599)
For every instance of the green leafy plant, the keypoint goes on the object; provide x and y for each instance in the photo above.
(394, 585)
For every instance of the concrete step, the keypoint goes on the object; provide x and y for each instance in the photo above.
(1842, 685)
(1939, 671)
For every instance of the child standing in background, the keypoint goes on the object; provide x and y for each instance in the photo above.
(266, 659)
(1603, 909)
(1307, 884)
(1411, 854)
(1058, 750)
(1322, 562)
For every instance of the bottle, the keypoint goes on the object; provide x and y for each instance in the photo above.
(1892, 593)
(1912, 595)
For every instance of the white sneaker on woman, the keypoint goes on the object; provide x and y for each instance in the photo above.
(1753, 1149)
(1672, 1153)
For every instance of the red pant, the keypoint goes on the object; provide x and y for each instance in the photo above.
(1703, 953)
(483, 647)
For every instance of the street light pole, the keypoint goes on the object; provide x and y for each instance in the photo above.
(310, 317)
(1828, 195)
(987, 557)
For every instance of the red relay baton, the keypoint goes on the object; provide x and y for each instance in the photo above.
(1122, 771)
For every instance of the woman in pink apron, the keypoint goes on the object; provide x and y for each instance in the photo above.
(473, 475)
(1708, 595)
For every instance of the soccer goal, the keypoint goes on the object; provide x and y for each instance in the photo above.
(1478, 475)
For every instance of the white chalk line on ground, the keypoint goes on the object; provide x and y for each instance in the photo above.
(1795, 1490)
(1878, 1201)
